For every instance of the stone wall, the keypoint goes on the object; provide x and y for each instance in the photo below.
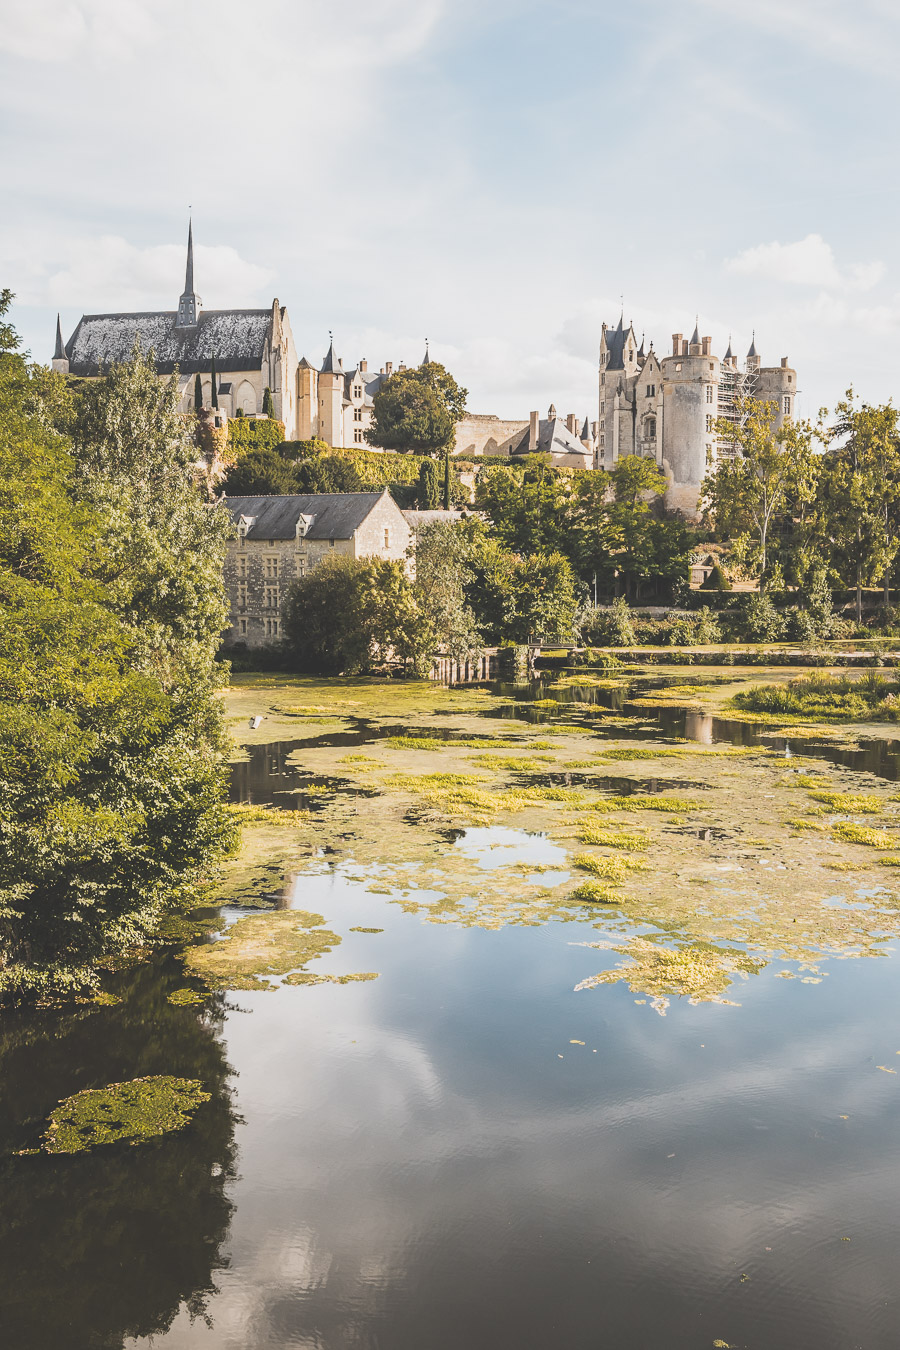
(485, 434)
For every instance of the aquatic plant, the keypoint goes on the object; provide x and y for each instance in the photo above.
(826, 697)
(307, 977)
(588, 833)
(595, 893)
(850, 803)
(132, 1113)
(185, 997)
(863, 834)
(261, 945)
(646, 802)
(611, 869)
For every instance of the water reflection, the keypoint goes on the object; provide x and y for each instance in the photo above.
(99, 1246)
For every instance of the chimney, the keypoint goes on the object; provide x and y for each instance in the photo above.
(784, 363)
(707, 343)
(572, 423)
(534, 431)
(364, 365)
(684, 347)
(388, 367)
(676, 343)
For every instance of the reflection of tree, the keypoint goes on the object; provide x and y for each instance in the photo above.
(104, 1245)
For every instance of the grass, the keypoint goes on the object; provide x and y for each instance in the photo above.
(640, 802)
(805, 824)
(863, 834)
(588, 833)
(827, 697)
(246, 814)
(261, 945)
(437, 743)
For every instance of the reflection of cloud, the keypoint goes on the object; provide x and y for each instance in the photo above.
(807, 262)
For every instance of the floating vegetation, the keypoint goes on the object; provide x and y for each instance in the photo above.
(641, 802)
(513, 763)
(850, 803)
(863, 834)
(364, 761)
(366, 930)
(889, 862)
(806, 780)
(701, 973)
(433, 743)
(595, 893)
(261, 945)
(805, 824)
(185, 997)
(826, 697)
(132, 1113)
(588, 833)
(307, 977)
(247, 814)
(611, 869)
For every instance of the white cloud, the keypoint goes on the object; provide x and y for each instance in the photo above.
(806, 262)
(865, 35)
(109, 273)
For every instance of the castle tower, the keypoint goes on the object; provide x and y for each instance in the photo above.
(690, 387)
(189, 303)
(60, 362)
(776, 385)
(307, 400)
(331, 400)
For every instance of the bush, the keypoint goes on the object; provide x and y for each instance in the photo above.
(708, 629)
(250, 433)
(620, 625)
(761, 621)
(717, 580)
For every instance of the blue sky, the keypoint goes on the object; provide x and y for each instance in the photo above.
(490, 176)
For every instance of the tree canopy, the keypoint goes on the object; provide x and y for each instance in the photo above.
(416, 410)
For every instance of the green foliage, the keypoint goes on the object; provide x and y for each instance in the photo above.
(717, 580)
(620, 629)
(268, 472)
(708, 629)
(827, 697)
(111, 739)
(429, 498)
(350, 614)
(544, 599)
(253, 433)
(417, 410)
(268, 406)
(761, 621)
(442, 571)
(526, 505)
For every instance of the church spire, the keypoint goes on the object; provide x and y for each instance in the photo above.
(189, 304)
(59, 353)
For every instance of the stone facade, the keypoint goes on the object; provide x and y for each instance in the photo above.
(569, 442)
(667, 408)
(335, 405)
(281, 538)
(253, 350)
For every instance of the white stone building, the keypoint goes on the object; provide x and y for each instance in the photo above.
(570, 442)
(280, 538)
(335, 405)
(253, 350)
(667, 407)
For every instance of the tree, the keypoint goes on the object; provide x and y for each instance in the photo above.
(198, 393)
(416, 410)
(268, 403)
(350, 614)
(545, 599)
(429, 495)
(262, 473)
(111, 738)
(215, 386)
(859, 496)
(447, 481)
(442, 570)
(526, 505)
(771, 471)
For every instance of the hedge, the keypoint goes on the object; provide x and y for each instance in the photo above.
(254, 433)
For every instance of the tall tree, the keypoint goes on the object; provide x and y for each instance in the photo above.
(526, 505)
(417, 410)
(215, 386)
(198, 393)
(268, 402)
(770, 470)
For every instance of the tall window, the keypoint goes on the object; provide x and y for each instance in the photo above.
(710, 394)
(271, 627)
(651, 391)
(387, 538)
(242, 565)
(243, 627)
(651, 428)
(270, 600)
(272, 565)
(357, 436)
(787, 405)
(357, 414)
(242, 595)
(357, 391)
(709, 421)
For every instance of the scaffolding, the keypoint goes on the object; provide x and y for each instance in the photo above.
(735, 388)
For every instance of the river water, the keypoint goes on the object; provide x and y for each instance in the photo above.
(468, 1152)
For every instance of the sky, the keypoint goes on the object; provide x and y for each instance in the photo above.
(498, 178)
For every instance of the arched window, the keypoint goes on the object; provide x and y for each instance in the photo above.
(246, 398)
(650, 428)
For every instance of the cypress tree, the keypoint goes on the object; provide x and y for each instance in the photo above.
(447, 481)
(198, 392)
(268, 403)
(215, 386)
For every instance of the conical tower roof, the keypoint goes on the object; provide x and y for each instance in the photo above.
(60, 351)
(695, 337)
(753, 351)
(331, 365)
(729, 355)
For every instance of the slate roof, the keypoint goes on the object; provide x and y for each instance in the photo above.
(554, 438)
(331, 365)
(335, 515)
(235, 337)
(615, 345)
(371, 381)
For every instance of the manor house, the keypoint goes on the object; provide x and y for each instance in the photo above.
(253, 350)
(667, 407)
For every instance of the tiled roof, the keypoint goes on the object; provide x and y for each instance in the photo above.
(335, 515)
(235, 337)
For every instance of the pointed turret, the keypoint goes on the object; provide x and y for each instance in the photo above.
(331, 365)
(189, 304)
(60, 361)
(752, 352)
(551, 412)
(426, 359)
(729, 355)
(695, 336)
(586, 432)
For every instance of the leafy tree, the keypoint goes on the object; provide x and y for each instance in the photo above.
(349, 614)
(111, 740)
(621, 624)
(215, 386)
(416, 410)
(771, 471)
(545, 600)
(489, 586)
(262, 473)
(268, 403)
(441, 556)
(761, 620)
(527, 505)
(447, 481)
(198, 393)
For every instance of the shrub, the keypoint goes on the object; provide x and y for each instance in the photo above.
(620, 625)
(717, 580)
(250, 433)
(761, 621)
(708, 630)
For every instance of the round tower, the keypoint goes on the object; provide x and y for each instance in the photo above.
(690, 388)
